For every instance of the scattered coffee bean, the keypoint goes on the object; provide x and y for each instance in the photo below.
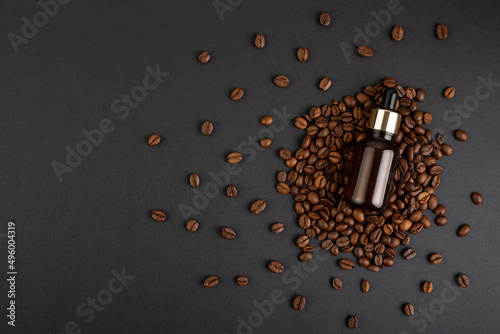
(365, 51)
(365, 286)
(158, 215)
(258, 206)
(234, 158)
(265, 142)
(463, 230)
(337, 283)
(282, 176)
(299, 303)
(477, 198)
(236, 94)
(302, 54)
(242, 281)
(420, 97)
(461, 135)
(302, 241)
(305, 256)
(409, 310)
(154, 140)
(260, 41)
(442, 31)
(325, 83)
(300, 123)
(211, 281)
(353, 322)
(228, 233)
(192, 225)
(231, 191)
(278, 228)
(463, 281)
(283, 188)
(204, 57)
(276, 267)
(436, 258)
(285, 154)
(346, 264)
(266, 120)
(207, 128)
(447, 149)
(449, 92)
(194, 180)
(281, 81)
(410, 253)
(325, 19)
(397, 33)
(427, 287)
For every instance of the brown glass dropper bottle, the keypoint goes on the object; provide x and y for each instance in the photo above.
(375, 158)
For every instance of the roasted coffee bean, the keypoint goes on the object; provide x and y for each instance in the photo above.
(365, 286)
(305, 256)
(207, 128)
(353, 322)
(300, 123)
(260, 41)
(397, 33)
(427, 287)
(283, 188)
(463, 230)
(302, 54)
(154, 140)
(308, 249)
(346, 264)
(337, 283)
(236, 94)
(276, 267)
(449, 92)
(242, 281)
(461, 135)
(282, 176)
(436, 258)
(325, 83)
(463, 281)
(266, 120)
(258, 206)
(410, 253)
(192, 225)
(447, 149)
(204, 57)
(374, 268)
(416, 228)
(325, 19)
(420, 97)
(234, 158)
(442, 31)
(299, 303)
(194, 180)
(441, 220)
(477, 198)
(228, 233)
(409, 310)
(285, 154)
(159, 216)
(278, 228)
(281, 81)
(211, 281)
(365, 51)
(302, 241)
(231, 191)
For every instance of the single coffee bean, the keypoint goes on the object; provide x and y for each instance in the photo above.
(449, 92)
(325, 83)
(461, 135)
(409, 310)
(427, 287)
(365, 51)
(154, 140)
(207, 128)
(228, 233)
(204, 57)
(436, 258)
(236, 94)
(192, 225)
(231, 191)
(477, 198)
(374, 268)
(410, 253)
(389, 82)
(346, 264)
(299, 303)
(441, 220)
(234, 158)
(447, 149)
(278, 228)
(260, 41)
(300, 123)
(158, 215)
(302, 54)
(302, 241)
(463, 281)
(397, 33)
(305, 256)
(353, 322)
(266, 120)
(442, 31)
(337, 283)
(194, 180)
(325, 19)
(258, 206)
(265, 142)
(365, 286)
(463, 230)
(242, 281)
(281, 81)
(211, 281)
(285, 154)
(420, 97)
(282, 176)
(276, 267)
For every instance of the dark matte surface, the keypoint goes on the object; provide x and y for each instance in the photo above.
(71, 235)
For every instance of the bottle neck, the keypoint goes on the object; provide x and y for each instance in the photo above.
(381, 135)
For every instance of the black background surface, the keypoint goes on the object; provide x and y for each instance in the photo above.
(72, 234)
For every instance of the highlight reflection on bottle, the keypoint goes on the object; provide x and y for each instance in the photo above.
(375, 158)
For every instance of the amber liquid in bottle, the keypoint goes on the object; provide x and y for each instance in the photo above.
(372, 173)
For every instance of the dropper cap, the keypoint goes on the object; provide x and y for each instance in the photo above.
(386, 118)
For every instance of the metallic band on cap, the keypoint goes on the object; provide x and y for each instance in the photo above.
(384, 120)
